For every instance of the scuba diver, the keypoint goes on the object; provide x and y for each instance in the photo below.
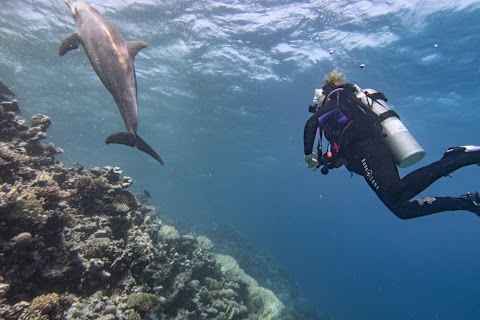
(368, 138)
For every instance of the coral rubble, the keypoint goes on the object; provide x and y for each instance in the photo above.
(76, 244)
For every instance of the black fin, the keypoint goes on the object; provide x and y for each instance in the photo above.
(69, 43)
(143, 146)
(126, 138)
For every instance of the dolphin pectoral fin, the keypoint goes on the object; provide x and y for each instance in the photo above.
(143, 146)
(69, 43)
(126, 138)
(6, 90)
(134, 47)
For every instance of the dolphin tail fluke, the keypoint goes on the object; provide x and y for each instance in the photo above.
(132, 140)
(126, 138)
(143, 146)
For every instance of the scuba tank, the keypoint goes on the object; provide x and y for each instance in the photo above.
(405, 149)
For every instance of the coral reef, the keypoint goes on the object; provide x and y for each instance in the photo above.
(76, 244)
(260, 265)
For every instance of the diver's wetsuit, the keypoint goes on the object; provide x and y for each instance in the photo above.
(370, 157)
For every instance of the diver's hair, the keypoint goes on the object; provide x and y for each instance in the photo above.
(334, 78)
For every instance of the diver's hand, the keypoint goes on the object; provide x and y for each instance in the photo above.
(312, 161)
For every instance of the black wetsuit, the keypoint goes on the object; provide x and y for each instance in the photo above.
(368, 156)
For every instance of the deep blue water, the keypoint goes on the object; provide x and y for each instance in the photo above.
(223, 93)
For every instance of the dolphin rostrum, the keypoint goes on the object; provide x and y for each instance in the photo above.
(112, 58)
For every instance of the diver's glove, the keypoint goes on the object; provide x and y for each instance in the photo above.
(312, 161)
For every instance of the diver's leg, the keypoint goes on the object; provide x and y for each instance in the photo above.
(381, 173)
(430, 205)
(453, 159)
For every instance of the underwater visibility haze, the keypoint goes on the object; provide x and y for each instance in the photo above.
(223, 92)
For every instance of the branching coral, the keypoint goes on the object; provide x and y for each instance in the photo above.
(90, 191)
(43, 307)
(28, 201)
(124, 201)
(141, 302)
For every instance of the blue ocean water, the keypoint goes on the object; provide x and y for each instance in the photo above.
(224, 88)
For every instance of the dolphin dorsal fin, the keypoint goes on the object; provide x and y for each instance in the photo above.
(134, 47)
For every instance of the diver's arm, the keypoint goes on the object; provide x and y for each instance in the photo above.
(312, 124)
(309, 133)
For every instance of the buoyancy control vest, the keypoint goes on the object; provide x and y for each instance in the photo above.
(371, 116)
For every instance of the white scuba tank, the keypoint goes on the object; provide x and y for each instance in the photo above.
(405, 149)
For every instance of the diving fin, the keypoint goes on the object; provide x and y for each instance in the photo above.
(468, 154)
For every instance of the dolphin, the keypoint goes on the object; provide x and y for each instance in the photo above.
(112, 58)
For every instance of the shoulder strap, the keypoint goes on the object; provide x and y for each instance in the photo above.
(376, 96)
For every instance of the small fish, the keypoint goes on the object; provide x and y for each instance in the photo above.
(147, 194)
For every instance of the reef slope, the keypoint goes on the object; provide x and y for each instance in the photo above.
(76, 244)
